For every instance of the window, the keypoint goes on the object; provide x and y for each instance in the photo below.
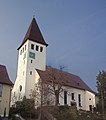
(89, 98)
(41, 49)
(79, 99)
(37, 48)
(25, 47)
(65, 97)
(21, 52)
(20, 88)
(32, 46)
(30, 72)
(1, 88)
(72, 96)
(31, 61)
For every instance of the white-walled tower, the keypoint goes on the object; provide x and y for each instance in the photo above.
(32, 55)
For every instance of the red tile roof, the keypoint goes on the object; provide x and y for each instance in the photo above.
(34, 34)
(4, 78)
(65, 78)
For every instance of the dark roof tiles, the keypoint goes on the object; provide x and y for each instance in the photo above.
(4, 78)
(34, 34)
(64, 78)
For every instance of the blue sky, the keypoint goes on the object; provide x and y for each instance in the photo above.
(74, 29)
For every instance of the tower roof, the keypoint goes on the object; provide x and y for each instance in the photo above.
(34, 34)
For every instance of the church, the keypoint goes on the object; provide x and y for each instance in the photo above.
(32, 67)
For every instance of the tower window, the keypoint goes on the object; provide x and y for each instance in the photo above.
(32, 46)
(31, 61)
(21, 52)
(20, 88)
(30, 72)
(25, 47)
(41, 49)
(37, 48)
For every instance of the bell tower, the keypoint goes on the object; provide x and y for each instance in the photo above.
(32, 56)
(35, 44)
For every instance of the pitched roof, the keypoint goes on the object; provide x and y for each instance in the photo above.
(34, 34)
(65, 78)
(4, 78)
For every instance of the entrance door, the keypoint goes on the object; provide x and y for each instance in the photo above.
(5, 112)
(90, 107)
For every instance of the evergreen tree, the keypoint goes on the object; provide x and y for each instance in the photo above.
(101, 87)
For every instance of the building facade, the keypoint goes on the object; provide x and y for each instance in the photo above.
(32, 67)
(5, 92)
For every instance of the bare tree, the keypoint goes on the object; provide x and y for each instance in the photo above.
(40, 93)
(45, 89)
(55, 83)
(41, 96)
(50, 86)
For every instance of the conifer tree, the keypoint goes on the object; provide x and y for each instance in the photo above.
(101, 87)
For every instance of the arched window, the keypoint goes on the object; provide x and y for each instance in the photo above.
(20, 88)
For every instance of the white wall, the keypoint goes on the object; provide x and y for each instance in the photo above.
(25, 66)
(40, 57)
(90, 99)
(21, 75)
(85, 95)
(38, 63)
(5, 100)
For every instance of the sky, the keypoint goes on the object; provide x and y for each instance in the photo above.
(74, 29)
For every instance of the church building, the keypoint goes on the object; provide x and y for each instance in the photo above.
(32, 67)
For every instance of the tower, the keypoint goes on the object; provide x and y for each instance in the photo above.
(32, 56)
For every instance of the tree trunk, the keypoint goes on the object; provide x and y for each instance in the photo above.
(56, 98)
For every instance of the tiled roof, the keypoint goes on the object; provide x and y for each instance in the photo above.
(64, 78)
(34, 34)
(4, 78)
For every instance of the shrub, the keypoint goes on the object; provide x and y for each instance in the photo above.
(25, 108)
